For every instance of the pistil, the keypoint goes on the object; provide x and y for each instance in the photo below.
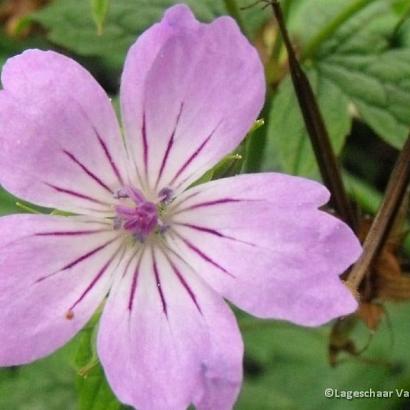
(135, 214)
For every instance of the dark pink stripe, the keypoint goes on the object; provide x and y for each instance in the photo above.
(192, 157)
(75, 194)
(100, 140)
(185, 285)
(88, 172)
(204, 256)
(94, 281)
(70, 233)
(192, 195)
(158, 282)
(128, 264)
(208, 203)
(202, 229)
(78, 260)
(145, 142)
(109, 157)
(213, 232)
(169, 146)
(88, 254)
(134, 283)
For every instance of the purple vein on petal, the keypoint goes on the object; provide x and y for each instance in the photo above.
(202, 229)
(109, 156)
(212, 232)
(183, 282)
(88, 254)
(177, 203)
(87, 171)
(79, 259)
(169, 145)
(134, 281)
(95, 279)
(145, 142)
(71, 233)
(194, 155)
(100, 140)
(158, 283)
(202, 254)
(221, 201)
(75, 194)
(129, 262)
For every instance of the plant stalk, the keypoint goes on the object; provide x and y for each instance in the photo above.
(319, 137)
(385, 217)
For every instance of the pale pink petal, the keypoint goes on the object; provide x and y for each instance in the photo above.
(167, 340)
(60, 144)
(54, 272)
(189, 94)
(262, 243)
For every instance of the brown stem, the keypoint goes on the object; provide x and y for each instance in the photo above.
(319, 137)
(385, 217)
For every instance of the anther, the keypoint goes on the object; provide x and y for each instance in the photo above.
(121, 193)
(166, 195)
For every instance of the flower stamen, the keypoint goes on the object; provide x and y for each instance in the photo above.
(137, 215)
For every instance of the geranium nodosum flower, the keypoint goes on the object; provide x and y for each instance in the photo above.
(164, 254)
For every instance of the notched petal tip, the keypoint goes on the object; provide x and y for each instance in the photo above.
(333, 300)
(344, 245)
(345, 304)
(286, 253)
(180, 15)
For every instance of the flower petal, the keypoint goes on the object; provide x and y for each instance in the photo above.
(262, 243)
(167, 340)
(189, 94)
(54, 273)
(59, 138)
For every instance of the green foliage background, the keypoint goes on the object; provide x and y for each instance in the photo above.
(357, 55)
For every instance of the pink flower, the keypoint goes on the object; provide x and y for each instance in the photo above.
(165, 254)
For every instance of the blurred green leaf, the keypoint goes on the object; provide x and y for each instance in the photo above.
(287, 366)
(94, 393)
(27, 208)
(400, 6)
(7, 203)
(226, 167)
(10, 47)
(11, 205)
(363, 193)
(70, 23)
(288, 141)
(357, 71)
(369, 68)
(43, 385)
(229, 166)
(99, 11)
